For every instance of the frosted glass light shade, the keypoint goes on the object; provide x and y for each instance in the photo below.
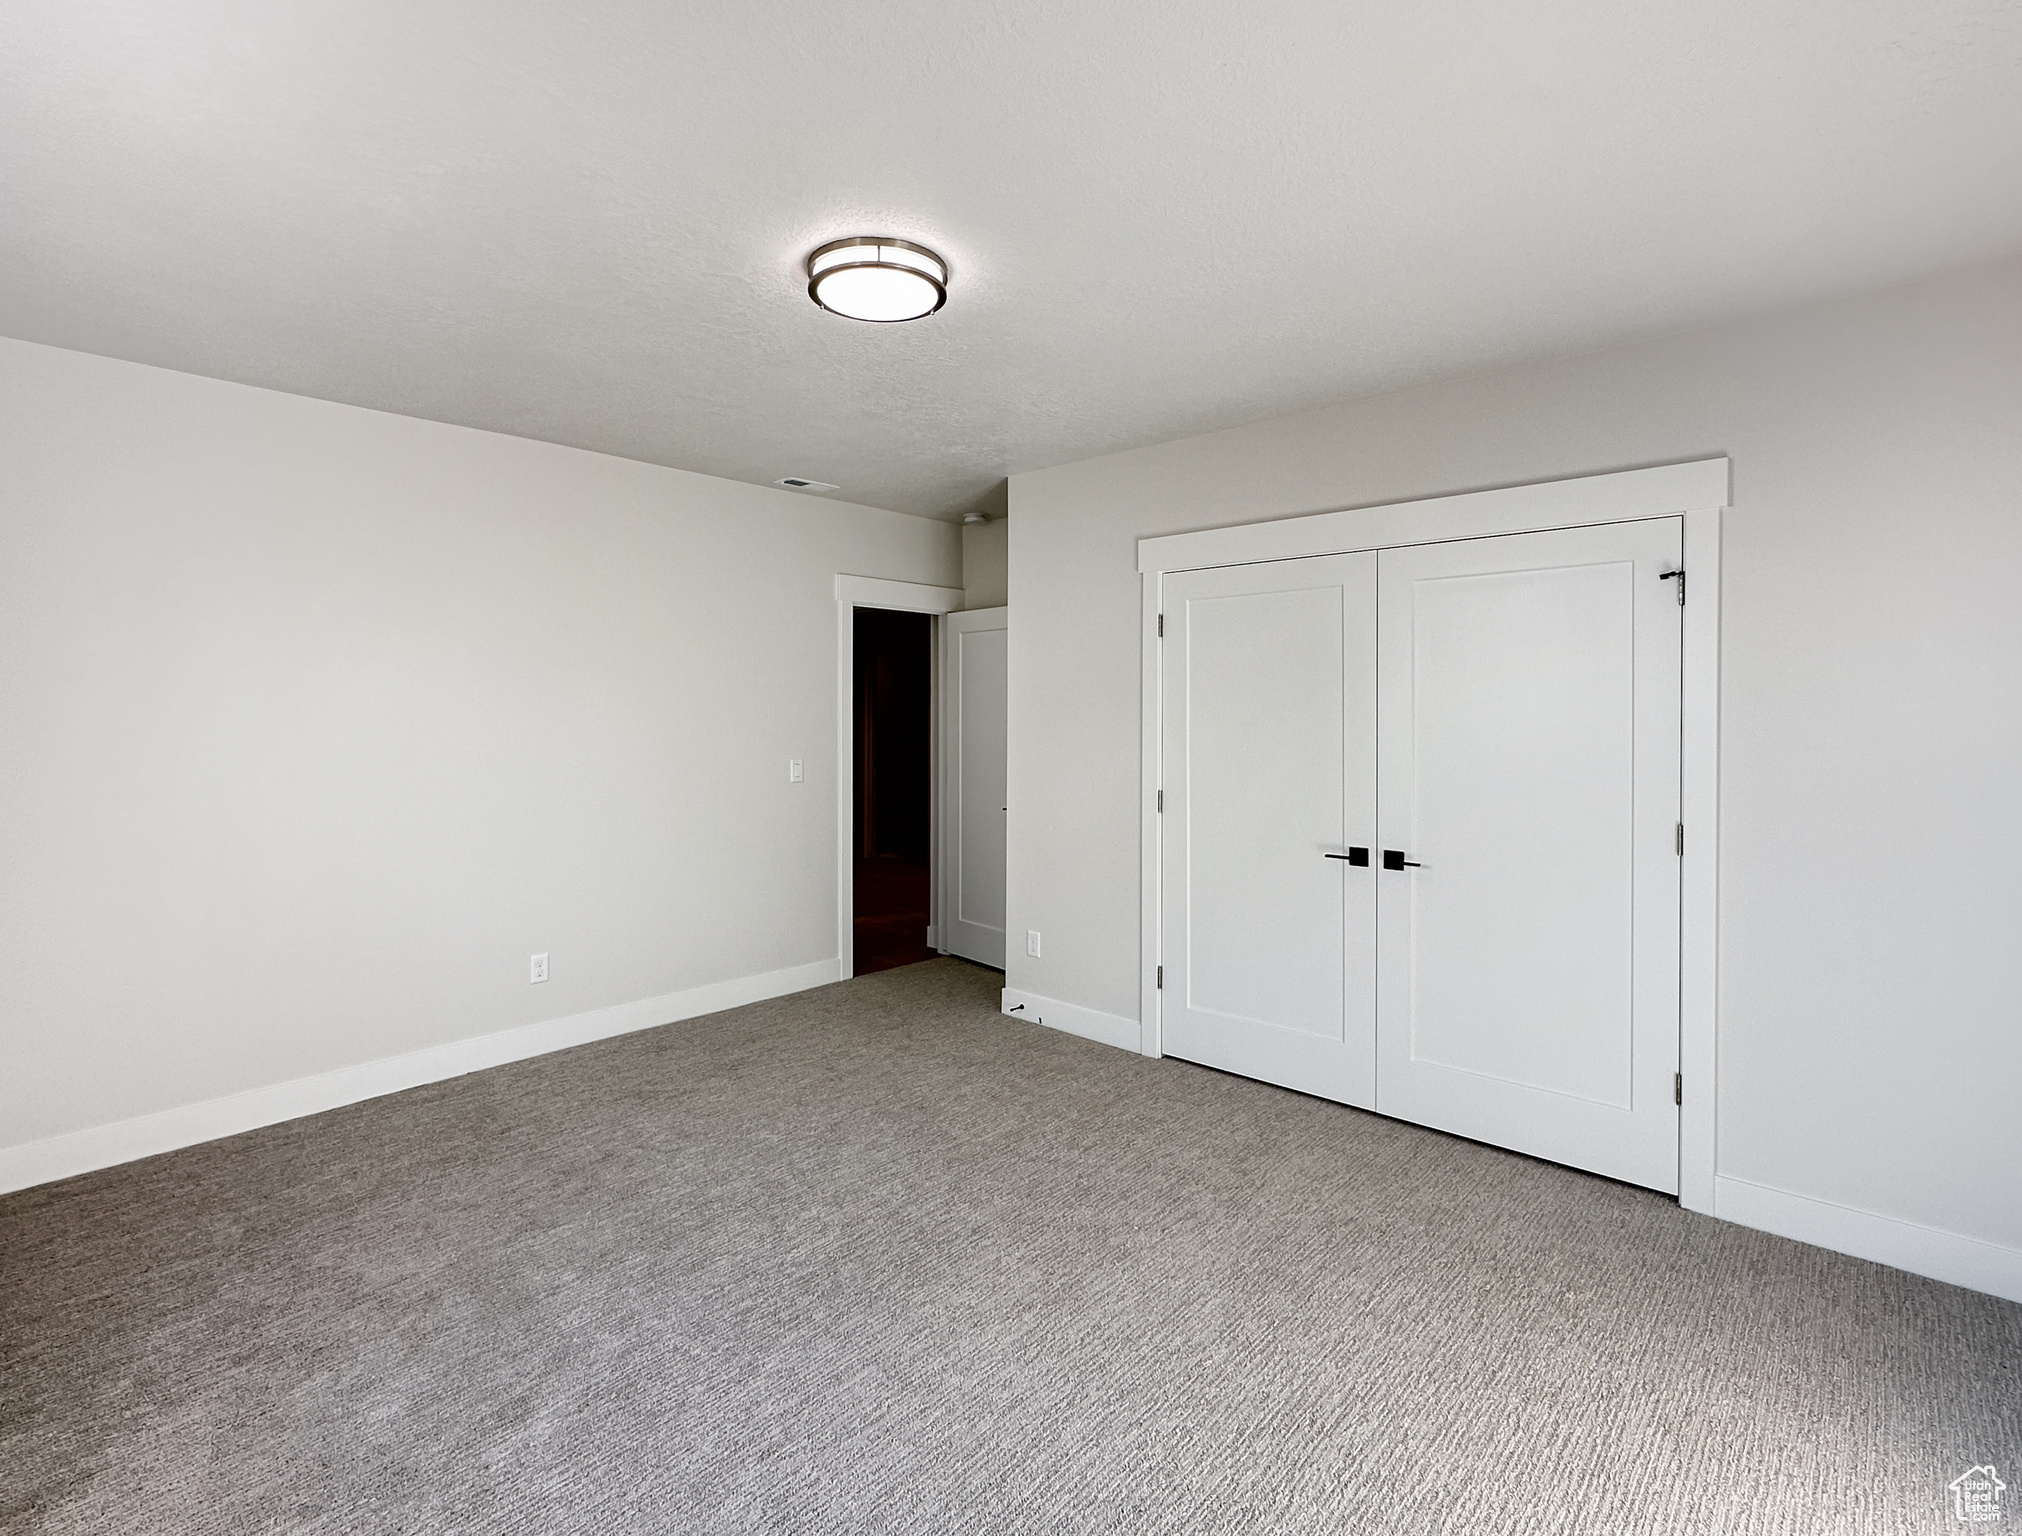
(871, 277)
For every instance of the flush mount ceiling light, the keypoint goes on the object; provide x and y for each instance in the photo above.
(873, 277)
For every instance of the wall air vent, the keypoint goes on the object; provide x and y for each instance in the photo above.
(796, 483)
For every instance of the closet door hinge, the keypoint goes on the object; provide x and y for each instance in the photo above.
(1161, 978)
(1161, 802)
(1681, 840)
(1679, 577)
(1677, 1087)
(1161, 626)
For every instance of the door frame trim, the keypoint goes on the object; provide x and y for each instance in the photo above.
(852, 593)
(1698, 493)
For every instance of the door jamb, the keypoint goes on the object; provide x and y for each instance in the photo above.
(1697, 492)
(852, 593)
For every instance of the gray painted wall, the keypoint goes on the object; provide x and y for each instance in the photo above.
(985, 568)
(1871, 783)
(315, 723)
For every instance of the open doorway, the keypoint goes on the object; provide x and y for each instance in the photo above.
(893, 758)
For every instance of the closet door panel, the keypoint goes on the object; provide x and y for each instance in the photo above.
(1528, 740)
(1268, 763)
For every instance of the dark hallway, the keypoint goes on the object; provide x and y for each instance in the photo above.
(894, 788)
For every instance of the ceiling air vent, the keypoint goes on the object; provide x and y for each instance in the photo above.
(795, 483)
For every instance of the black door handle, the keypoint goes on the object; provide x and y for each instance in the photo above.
(1357, 856)
(1393, 859)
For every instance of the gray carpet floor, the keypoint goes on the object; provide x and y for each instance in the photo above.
(877, 1259)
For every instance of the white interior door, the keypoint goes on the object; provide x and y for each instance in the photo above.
(1529, 749)
(972, 800)
(1268, 771)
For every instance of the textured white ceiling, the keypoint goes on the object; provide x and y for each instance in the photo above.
(584, 221)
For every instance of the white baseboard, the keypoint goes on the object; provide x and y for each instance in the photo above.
(102, 1146)
(1967, 1261)
(1109, 1028)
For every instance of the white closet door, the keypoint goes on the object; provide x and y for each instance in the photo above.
(972, 798)
(1529, 743)
(1268, 766)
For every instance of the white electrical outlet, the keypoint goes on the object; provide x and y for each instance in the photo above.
(537, 968)
(793, 773)
(1032, 942)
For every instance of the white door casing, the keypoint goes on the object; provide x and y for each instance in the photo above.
(852, 593)
(1270, 763)
(973, 762)
(1529, 750)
